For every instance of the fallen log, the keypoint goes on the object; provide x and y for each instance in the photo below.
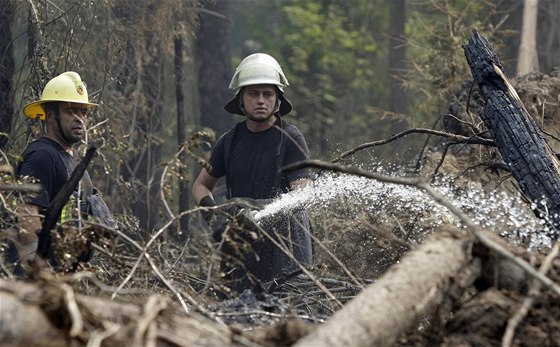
(409, 290)
(50, 314)
(530, 159)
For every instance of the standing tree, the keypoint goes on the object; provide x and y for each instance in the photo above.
(549, 35)
(181, 127)
(214, 65)
(146, 32)
(6, 70)
(398, 102)
(528, 60)
(142, 82)
(213, 60)
(397, 57)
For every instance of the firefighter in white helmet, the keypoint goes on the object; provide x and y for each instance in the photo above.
(250, 156)
(63, 106)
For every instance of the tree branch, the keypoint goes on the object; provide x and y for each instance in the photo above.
(475, 140)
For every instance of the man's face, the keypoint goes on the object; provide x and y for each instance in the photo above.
(72, 121)
(259, 101)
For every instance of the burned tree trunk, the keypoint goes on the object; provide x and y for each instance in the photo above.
(519, 140)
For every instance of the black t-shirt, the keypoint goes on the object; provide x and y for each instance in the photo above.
(43, 159)
(251, 164)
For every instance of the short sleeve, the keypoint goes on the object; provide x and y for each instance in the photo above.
(296, 150)
(39, 164)
(217, 158)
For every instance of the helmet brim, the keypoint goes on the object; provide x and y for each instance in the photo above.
(35, 109)
(232, 106)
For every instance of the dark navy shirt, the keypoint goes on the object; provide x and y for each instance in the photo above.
(251, 164)
(45, 160)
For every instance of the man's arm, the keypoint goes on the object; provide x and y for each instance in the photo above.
(203, 186)
(29, 220)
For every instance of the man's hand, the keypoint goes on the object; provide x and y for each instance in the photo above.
(240, 210)
(207, 201)
(215, 219)
(243, 210)
(250, 203)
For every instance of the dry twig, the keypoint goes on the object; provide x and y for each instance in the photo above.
(74, 311)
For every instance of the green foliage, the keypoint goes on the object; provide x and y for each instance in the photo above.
(335, 54)
(333, 61)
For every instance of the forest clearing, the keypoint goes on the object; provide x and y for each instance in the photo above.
(456, 245)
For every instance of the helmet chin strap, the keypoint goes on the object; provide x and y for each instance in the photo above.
(59, 125)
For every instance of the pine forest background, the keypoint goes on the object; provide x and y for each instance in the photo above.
(359, 71)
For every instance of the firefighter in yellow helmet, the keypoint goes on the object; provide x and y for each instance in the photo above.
(250, 156)
(63, 106)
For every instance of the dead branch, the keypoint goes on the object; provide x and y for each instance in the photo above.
(26, 188)
(475, 140)
(146, 255)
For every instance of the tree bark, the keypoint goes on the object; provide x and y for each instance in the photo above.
(142, 82)
(214, 73)
(517, 137)
(397, 60)
(398, 299)
(17, 318)
(528, 59)
(181, 130)
(6, 70)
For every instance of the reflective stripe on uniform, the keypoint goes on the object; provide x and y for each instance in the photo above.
(67, 211)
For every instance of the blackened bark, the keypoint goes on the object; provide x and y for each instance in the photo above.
(517, 137)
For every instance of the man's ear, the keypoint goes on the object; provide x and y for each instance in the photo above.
(50, 108)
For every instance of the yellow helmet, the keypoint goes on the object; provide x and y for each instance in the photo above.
(66, 87)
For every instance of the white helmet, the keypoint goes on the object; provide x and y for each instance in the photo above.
(258, 68)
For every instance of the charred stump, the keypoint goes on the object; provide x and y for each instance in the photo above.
(519, 140)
